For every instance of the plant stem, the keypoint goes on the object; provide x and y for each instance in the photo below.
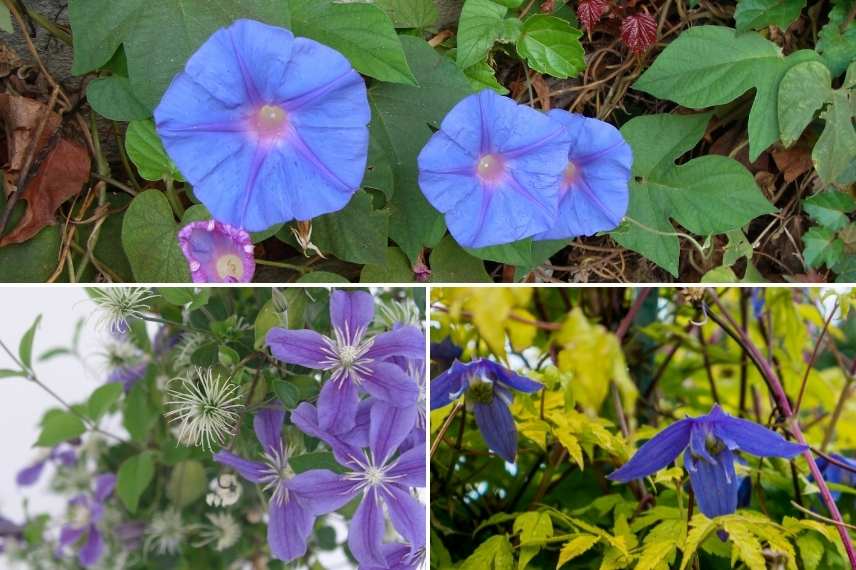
(445, 427)
(172, 196)
(811, 360)
(793, 426)
(283, 265)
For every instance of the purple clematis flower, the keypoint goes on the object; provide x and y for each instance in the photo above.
(296, 499)
(217, 252)
(86, 512)
(594, 192)
(397, 557)
(708, 443)
(128, 374)
(60, 455)
(355, 360)
(382, 475)
(487, 386)
(9, 530)
(267, 127)
(843, 473)
(494, 169)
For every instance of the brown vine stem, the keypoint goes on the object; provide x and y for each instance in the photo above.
(792, 424)
(445, 427)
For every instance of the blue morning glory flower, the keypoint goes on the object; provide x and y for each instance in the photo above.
(487, 388)
(839, 474)
(494, 169)
(709, 443)
(594, 193)
(267, 127)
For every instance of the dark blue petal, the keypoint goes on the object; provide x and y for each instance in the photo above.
(498, 429)
(714, 484)
(499, 373)
(755, 439)
(448, 386)
(656, 453)
(699, 437)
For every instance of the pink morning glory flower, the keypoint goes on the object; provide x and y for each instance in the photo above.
(266, 126)
(217, 252)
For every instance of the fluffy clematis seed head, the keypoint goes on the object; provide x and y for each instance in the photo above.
(217, 252)
(266, 126)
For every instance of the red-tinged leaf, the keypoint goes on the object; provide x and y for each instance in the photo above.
(639, 32)
(589, 12)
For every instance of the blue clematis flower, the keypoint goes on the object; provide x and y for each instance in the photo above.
(594, 193)
(487, 388)
(494, 169)
(709, 443)
(833, 473)
(267, 127)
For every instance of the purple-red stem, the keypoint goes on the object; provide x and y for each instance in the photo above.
(793, 426)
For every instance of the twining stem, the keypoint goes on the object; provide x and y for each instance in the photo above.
(792, 424)
(811, 360)
(445, 427)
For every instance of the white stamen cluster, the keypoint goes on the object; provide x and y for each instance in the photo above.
(345, 355)
(205, 409)
(277, 473)
(369, 475)
(405, 313)
(118, 304)
(225, 491)
(223, 532)
(165, 532)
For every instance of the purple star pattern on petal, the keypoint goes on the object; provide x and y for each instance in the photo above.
(594, 192)
(487, 387)
(266, 126)
(494, 169)
(708, 443)
(217, 252)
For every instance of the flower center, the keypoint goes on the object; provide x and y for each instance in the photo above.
(571, 172)
(374, 476)
(490, 167)
(270, 121)
(230, 266)
(480, 391)
(713, 444)
(348, 355)
(277, 473)
(79, 516)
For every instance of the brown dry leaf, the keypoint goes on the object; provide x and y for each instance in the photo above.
(542, 90)
(793, 162)
(58, 177)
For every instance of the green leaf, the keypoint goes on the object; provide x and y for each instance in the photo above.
(757, 14)
(113, 97)
(822, 247)
(358, 233)
(6, 20)
(532, 527)
(322, 277)
(7, 373)
(267, 319)
(551, 46)
(158, 37)
(707, 195)
(138, 416)
(577, 546)
(811, 550)
(33, 261)
(362, 32)
(835, 151)
(133, 478)
(480, 25)
(410, 13)
(713, 65)
(178, 296)
(395, 269)
(145, 149)
(288, 393)
(400, 122)
(830, 209)
(482, 76)
(149, 239)
(451, 264)
(59, 426)
(318, 460)
(102, 399)
(803, 90)
(836, 46)
(187, 483)
(721, 274)
(493, 554)
(701, 527)
(25, 347)
(207, 355)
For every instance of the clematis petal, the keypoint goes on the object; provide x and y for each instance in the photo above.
(303, 347)
(497, 427)
(289, 526)
(405, 341)
(391, 384)
(252, 471)
(656, 453)
(104, 486)
(268, 427)
(699, 435)
(406, 513)
(351, 312)
(358, 436)
(30, 474)
(68, 535)
(365, 536)
(337, 405)
(389, 426)
(217, 252)
(755, 439)
(448, 386)
(715, 484)
(409, 469)
(305, 417)
(595, 191)
(92, 549)
(322, 491)
(497, 372)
